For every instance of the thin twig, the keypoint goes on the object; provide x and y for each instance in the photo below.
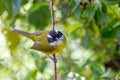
(52, 14)
(54, 57)
(55, 67)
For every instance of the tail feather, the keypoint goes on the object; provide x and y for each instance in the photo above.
(26, 34)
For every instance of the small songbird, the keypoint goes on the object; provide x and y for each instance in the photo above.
(49, 42)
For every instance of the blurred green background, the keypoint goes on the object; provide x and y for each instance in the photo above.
(92, 28)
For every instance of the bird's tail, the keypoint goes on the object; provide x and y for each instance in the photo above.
(26, 34)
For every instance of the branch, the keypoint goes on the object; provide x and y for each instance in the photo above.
(52, 14)
(55, 67)
(54, 57)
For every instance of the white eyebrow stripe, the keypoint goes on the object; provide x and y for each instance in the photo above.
(49, 36)
(56, 31)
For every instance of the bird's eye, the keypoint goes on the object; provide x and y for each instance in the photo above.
(59, 34)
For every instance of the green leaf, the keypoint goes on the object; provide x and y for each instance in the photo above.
(85, 40)
(77, 12)
(39, 15)
(35, 54)
(89, 12)
(111, 2)
(76, 9)
(97, 16)
(97, 4)
(104, 7)
(96, 70)
(71, 3)
(113, 11)
(116, 32)
(100, 17)
(41, 65)
(31, 75)
(112, 24)
(112, 30)
(88, 39)
(24, 2)
(117, 76)
(66, 7)
(106, 33)
(108, 75)
(16, 4)
(11, 41)
(1, 7)
(74, 26)
(12, 6)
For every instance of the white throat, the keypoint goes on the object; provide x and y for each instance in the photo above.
(57, 42)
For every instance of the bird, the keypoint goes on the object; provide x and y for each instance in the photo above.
(48, 42)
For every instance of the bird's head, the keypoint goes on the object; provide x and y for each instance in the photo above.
(55, 38)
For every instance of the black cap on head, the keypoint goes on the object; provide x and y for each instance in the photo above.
(54, 36)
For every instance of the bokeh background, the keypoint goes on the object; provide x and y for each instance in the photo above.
(92, 29)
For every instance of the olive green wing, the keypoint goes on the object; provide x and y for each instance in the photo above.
(32, 36)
